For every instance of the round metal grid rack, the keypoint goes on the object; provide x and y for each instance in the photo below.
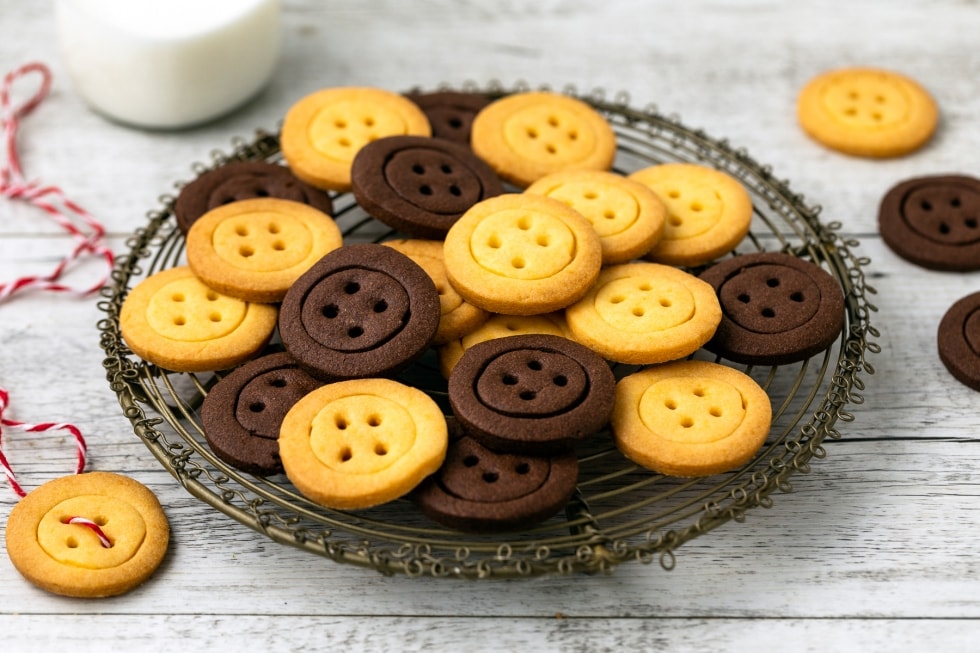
(620, 512)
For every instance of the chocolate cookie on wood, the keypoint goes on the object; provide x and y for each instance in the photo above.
(242, 413)
(934, 222)
(959, 340)
(450, 113)
(776, 308)
(419, 185)
(479, 490)
(242, 180)
(362, 310)
(532, 393)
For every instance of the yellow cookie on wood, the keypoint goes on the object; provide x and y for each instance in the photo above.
(361, 443)
(690, 418)
(644, 313)
(255, 249)
(526, 136)
(521, 254)
(867, 112)
(708, 212)
(323, 132)
(500, 326)
(628, 217)
(173, 320)
(89, 535)
(457, 316)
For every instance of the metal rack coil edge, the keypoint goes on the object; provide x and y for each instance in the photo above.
(620, 512)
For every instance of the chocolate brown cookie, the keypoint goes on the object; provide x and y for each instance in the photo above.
(776, 308)
(934, 222)
(450, 113)
(241, 180)
(959, 340)
(362, 310)
(242, 413)
(419, 185)
(532, 393)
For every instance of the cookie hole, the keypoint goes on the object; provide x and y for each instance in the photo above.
(273, 228)
(494, 242)
(971, 223)
(471, 461)
(346, 454)
(772, 283)
(925, 205)
(369, 121)
(330, 311)
(380, 449)
(618, 299)
(352, 288)
(535, 365)
(609, 214)
(528, 395)
(573, 135)
(589, 195)
(343, 142)
(943, 228)
(745, 299)
(455, 123)
(418, 169)
(446, 169)
(215, 317)
(670, 404)
(687, 422)
(553, 121)
(675, 221)
(211, 296)
(177, 297)
(180, 320)
(880, 99)
(673, 194)
(340, 124)
(638, 311)
(955, 202)
(425, 189)
(697, 207)
(876, 116)
(245, 251)
(341, 423)
(664, 302)
(714, 411)
(853, 95)
(522, 468)
(71, 543)
(561, 381)
(380, 306)
(509, 379)
(850, 111)
(517, 263)
(256, 407)
(355, 332)
(796, 297)
(279, 246)
(490, 477)
(374, 420)
(698, 392)
(551, 149)
(768, 312)
(101, 520)
(278, 383)
(455, 191)
(532, 132)
(542, 240)
(524, 223)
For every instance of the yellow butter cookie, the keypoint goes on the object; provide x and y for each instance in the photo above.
(526, 136)
(255, 249)
(628, 217)
(644, 313)
(708, 212)
(360, 443)
(173, 320)
(867, 112)
(323, 132)
(690, 418)
(521, 254)
(500, 326)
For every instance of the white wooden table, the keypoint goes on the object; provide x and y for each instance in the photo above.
(876, 548)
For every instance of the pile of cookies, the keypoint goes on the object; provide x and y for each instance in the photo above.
(521, 258)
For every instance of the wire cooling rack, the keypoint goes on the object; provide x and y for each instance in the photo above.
(619, 512)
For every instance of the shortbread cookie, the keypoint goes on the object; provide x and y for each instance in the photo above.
(690, 418)
(776, 308)
(481, 491)
(256, 249)
(867, 112)
(323, 132)
(501, 326)
(361, 443)
(959, 340)
(522, 255)
(526, 136)
(934, 222)
(628, 217)
(708, 212)
(241, 415)
(457, 316)
(450, 113)
(420, 186)
(643, 313)
(243, 180)
(362, 310)
(173, 320)
(88, 535)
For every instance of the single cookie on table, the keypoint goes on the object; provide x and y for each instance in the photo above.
(362, 310)
(477, 490)
(690, 418)
(526, 136)
(89, 535)
(867, 112)
(520, 254)
(242, 180)
(450, 113)
(256, 249)
(531, 394)
(959, 340)
(360, 443)
(173, 320)
(776, 308)
(420, 186)
(934, 222)
(708, 212)
(628, 216)
(643, 313)
(501, 326)
(457, 316)
(323, 131)
(241, 415)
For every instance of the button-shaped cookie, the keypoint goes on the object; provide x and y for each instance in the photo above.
(531, 393)
(501, 326)
(776, 308)
(934, 221)
(360, 443)
(959, 340)
(690, 418)
(450, 113)
(362, 310)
